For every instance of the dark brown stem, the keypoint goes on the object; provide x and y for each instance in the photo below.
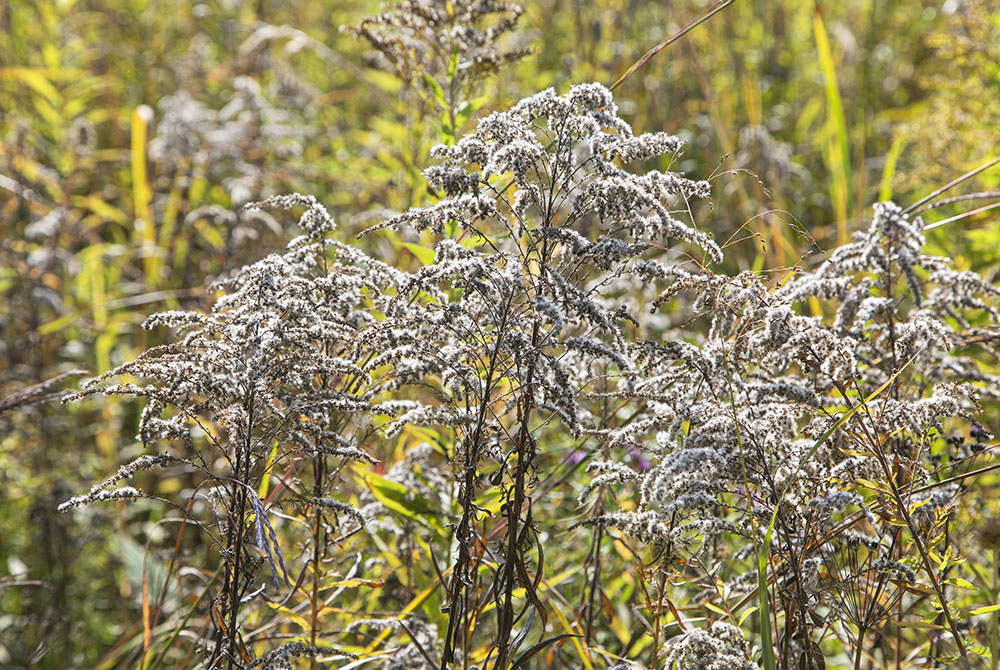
(461, 573)
(319, 472)
(227, 642)
(901, 508)
(859, 651)
(595, 580)
(525, 446)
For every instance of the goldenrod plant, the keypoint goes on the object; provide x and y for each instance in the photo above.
(648, 335)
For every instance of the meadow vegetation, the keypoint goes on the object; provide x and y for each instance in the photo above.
(471, 334)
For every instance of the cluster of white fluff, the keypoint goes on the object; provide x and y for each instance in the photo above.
(523, 327)
(720, 647)
(274, 372)
(453, 45)
(741, 418)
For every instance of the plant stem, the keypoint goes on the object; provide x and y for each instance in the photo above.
(317, 555)
(462, 563)
(861, 646)
(925, 559)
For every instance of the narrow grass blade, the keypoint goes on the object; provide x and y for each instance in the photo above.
(144, 232)
(889, 171)
(838, 154)
(955, 182)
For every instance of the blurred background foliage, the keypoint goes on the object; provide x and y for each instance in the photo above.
(132, 132)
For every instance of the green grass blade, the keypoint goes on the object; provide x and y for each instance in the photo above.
(838, 153)
(889, 171)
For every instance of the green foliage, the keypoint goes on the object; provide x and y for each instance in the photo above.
(804, 113)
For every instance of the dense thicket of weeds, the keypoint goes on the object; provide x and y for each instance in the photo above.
(540, 400)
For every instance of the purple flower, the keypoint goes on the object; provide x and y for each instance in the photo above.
(640, 459)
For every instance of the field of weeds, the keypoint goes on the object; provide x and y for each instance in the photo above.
(464, 334)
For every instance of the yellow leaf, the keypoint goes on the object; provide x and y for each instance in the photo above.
(265, 482)
(958, 581)
(424, 254)
(302, 622)
(716, 609)
(375, 584)
(919, 588)
(35, 79)
(580, 651)
(743, 617)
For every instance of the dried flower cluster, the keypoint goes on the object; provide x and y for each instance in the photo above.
(720, 648)
(750, 425)
(457, 43)
(805, 421)
(519, 315)
(272, 378)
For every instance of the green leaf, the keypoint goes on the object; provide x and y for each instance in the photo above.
(743, 617)
(405, 502)
(424, 254)
(984, 610)
(958, 581)
(437, 93)
(927, 625)
(467, 109)
(453, 63)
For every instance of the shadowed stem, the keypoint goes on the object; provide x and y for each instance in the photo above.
(525, 446)
(460, 572)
